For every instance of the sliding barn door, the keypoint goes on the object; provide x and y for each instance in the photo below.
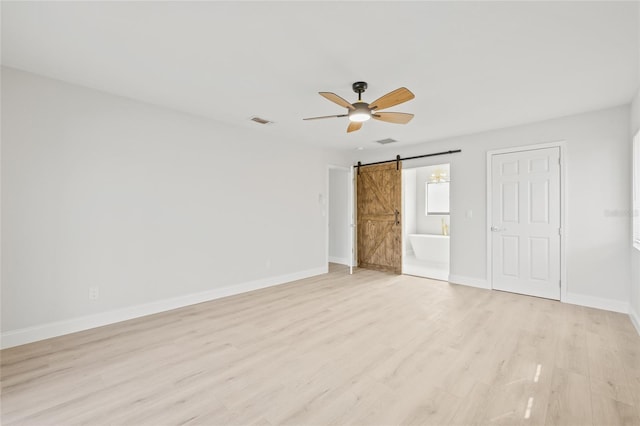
(379, 213)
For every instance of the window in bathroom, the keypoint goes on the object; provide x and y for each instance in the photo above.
(437, 195)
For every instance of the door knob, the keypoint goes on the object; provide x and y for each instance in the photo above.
(496, 229)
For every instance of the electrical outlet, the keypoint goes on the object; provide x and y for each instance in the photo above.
(94, 293)
(268, 263)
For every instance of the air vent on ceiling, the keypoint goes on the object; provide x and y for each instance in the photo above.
(261, 120)
(386, 141)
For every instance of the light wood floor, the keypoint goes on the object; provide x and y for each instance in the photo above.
(369, 349)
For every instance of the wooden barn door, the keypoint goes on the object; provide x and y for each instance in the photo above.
(379, 213)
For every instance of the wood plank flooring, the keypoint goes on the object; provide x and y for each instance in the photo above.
(366, 349)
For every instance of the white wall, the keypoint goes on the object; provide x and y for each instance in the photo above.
(634, 121)
(338, 216)
(145, 203)
(635, 254)
(598, 188)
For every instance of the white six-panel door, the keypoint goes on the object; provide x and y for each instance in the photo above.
(525, 228)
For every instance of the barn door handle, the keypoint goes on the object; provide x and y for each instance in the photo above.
(397, 213)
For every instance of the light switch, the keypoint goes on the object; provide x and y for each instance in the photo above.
(469, 214)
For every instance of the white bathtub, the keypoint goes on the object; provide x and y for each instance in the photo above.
(433, 248)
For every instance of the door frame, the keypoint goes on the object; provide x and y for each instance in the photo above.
(563, 208)
(349, 213)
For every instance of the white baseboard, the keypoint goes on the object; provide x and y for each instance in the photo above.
(597, 302)
(469, 281)
(635, 319)
(426, 272)
(45, 331)
(572, 298)
(339, 260)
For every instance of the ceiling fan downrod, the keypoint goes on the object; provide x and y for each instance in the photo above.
(359, 87)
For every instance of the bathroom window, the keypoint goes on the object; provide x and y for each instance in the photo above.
(437, 196)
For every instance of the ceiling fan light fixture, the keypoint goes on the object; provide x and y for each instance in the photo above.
(360, 113)
(359, 117)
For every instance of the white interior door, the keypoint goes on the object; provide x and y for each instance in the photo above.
(525, 228)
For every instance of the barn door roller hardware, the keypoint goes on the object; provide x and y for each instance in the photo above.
(398, 159)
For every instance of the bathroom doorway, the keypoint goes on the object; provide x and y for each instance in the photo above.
(426, 224)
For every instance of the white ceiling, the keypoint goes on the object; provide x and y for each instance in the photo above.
(473, 66)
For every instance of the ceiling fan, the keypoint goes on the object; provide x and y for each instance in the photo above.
(360, 111)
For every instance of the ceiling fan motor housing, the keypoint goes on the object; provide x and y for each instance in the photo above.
(359, 86)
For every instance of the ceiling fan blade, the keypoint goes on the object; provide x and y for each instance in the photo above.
(337, 99)
(393, 117)
(325, 116)
(353, 126)
(396, 97)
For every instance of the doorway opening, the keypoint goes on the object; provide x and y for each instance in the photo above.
(425, 230)
(339, 219)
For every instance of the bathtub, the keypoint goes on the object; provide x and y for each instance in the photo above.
(433, 248)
